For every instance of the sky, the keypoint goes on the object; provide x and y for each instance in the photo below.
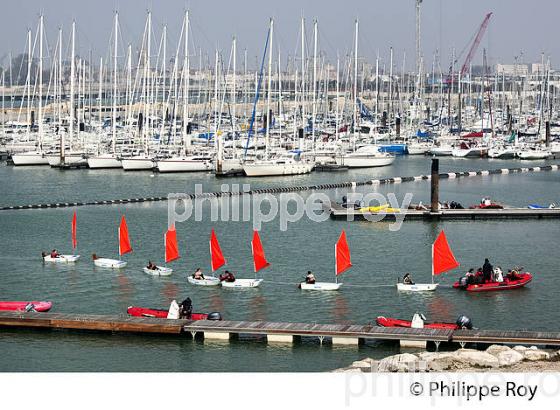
(519, 28)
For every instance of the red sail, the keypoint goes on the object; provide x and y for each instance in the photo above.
(216, 255)
(74, 237)
(442, 257)
(124, 240)
(171, 247)
(259, 258)
(342, 254)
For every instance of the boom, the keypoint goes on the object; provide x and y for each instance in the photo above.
(475, 43)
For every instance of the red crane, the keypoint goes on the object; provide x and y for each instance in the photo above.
(475, 43)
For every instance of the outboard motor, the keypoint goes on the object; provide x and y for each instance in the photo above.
(464, 322)
(214, 316)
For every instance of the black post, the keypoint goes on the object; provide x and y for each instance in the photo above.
(547, 134)
(384, 119)
(435, 185)
(398, 126)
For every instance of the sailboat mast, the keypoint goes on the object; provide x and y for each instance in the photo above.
(114, 125)
(303, 124)
(41, 83)
(29, 58)
(314, 107)
(268, 111)
(73, 84)
(186, 137)
(354, 102)
(234, 95)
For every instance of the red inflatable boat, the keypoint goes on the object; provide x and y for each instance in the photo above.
(521, 280)
(391, 322)
(26, 306)
(162, 313)
(491, 206)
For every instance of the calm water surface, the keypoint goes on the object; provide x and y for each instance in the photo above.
(379, 257)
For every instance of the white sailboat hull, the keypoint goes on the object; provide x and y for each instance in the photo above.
(139, 163)
(30, 158)
(104, 161)
(417, 287)
(69, 159)
(183, 164)
(533, 154)
(159, 271)
(109, 263)
(62, 259)
(275, 169)
(365, 161)
(242, 283)
(441, 151)
(320, 286)
(207, 281)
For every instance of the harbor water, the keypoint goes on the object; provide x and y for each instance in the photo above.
(379, 255)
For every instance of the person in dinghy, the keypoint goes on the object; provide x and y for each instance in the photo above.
(198, 275)
(310, 278)
(151, 266)
(227, 276)
(54, 254)
(407, 279)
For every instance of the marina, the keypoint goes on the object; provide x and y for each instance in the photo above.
(99, 130)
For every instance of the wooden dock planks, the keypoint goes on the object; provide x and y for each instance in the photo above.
(121, 323)
(90, 322)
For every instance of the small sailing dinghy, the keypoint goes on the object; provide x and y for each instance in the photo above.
(56, 258)
(124, 247)
(171, 254)
(217, 260)
(341, 264)
(17, 306)
(259, 262)
(443, 260)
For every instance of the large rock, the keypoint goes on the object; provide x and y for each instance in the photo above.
(366, 365)
(475, 358)
(509, 358)
(534, 355)
(439, 362)
(494, 350)
(405, 362)
(519, 349)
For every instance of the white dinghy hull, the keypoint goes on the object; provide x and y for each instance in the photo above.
(242, 283)
(62, 259)
(109, 263)
(159, 271)
(320, 286)
(417, 287)
(207, 281)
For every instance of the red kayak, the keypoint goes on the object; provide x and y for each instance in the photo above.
(391, 322)
(520, 280)
(162, 313)
(26, 306)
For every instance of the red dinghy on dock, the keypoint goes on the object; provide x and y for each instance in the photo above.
(162, 313)
(391, 322)
(34, 306)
